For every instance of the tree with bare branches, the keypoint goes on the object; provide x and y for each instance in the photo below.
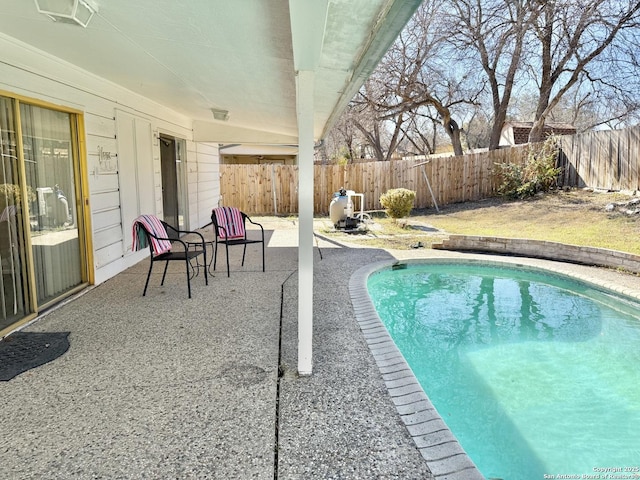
(583, 42)
(380, 128)
(414, 87)
(467, 62)
(555, 48)
(492, 33)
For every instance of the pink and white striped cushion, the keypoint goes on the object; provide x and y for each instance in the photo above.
(229, 222)
(152, 224)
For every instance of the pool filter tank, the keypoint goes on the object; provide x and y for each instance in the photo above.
(341, 209)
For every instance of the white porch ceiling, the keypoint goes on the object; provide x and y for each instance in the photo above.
(237, 55)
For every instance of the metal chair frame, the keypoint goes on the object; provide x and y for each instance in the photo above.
(220, 237)
(186, 255)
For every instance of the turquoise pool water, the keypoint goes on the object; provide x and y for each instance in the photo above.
(534, 373)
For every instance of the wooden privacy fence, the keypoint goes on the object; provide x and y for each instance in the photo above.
(605, 159)
(608, 159)
(272, 189)
(260, 189)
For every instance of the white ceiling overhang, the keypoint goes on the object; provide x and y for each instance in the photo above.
(204, 131)
(240, 56)
(259, 150)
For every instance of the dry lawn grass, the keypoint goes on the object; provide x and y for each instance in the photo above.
(575, 217)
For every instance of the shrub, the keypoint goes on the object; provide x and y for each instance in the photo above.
(398, 202)
(342, 157)
(511, 179)
(538, 174)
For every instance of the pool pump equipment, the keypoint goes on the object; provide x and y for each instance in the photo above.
(341, 210)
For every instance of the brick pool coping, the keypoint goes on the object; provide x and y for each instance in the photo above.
(444, 455)
(438, 446)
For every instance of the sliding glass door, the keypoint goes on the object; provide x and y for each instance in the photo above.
(41, 241)
(49, 175)
(12, 259)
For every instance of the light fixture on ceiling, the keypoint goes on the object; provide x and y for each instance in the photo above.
(74, 12)
(220, 114)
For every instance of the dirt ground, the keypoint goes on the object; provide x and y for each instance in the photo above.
(565, 200)
(577, 216)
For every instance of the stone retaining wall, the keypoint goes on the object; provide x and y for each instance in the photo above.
(542, 249)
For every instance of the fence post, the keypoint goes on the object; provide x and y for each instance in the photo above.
(273, 189)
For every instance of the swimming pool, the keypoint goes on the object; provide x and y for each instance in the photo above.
(533, 372)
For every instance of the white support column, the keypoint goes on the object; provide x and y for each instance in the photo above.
(305, 80)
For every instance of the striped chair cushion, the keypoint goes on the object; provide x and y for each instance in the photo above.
(152, 224)
(230, 223)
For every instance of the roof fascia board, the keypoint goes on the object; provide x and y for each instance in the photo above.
(392, 19)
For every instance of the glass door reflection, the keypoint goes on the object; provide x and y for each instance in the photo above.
(49, 170)
(12, 271)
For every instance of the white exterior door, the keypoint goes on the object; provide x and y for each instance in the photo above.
(136, 175)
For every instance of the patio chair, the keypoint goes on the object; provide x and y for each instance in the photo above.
(229, 228)
(149, 230)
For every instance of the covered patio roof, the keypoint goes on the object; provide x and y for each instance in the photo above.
(235, 56)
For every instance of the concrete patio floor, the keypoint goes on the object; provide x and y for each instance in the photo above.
(166, 387)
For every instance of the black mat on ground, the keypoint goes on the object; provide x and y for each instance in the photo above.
(22, 351)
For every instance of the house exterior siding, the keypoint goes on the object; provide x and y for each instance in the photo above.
(33, 74)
